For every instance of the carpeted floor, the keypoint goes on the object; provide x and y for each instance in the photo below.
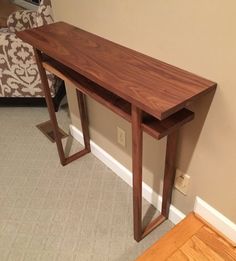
(48, 212)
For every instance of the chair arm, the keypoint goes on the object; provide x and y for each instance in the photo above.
(19, 75)
(21, 20)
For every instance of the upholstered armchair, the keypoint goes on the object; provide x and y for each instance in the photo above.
(19, 76)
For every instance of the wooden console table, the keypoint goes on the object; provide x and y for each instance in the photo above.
(151, 94)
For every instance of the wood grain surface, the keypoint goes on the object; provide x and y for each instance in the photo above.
(173, 240)
(191, 239)
(154, 86)
(154, 127)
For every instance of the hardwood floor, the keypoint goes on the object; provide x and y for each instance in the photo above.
(191, 239)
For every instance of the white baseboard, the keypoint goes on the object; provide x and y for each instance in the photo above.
(216, 219)
(175, 215)
(212, 216)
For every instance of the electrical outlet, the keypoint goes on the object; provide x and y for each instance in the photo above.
(121, 137)
(182, 181)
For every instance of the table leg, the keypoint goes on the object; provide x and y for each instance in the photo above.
(137, 144)
(169, 175)
(64, 160)
(83, 118)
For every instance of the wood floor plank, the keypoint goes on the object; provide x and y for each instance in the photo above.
(195, 249)
(178, 256)
(173, 240)
(192, 239)
(217, 243)
(219, 233)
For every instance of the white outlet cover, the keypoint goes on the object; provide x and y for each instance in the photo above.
(121, 137)
(182, 183)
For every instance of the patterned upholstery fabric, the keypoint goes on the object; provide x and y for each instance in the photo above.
(19, 76)
(44, 14)
(21, 20)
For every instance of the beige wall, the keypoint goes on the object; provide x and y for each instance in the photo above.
(195, 35)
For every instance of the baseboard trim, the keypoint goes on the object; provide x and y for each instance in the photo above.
(216, 219)
(151, 196)
(201, 208)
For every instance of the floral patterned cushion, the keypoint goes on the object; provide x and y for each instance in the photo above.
(21, 20)
(44, 14)
(19, 75)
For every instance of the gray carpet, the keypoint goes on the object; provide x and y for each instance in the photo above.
(48, 212)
